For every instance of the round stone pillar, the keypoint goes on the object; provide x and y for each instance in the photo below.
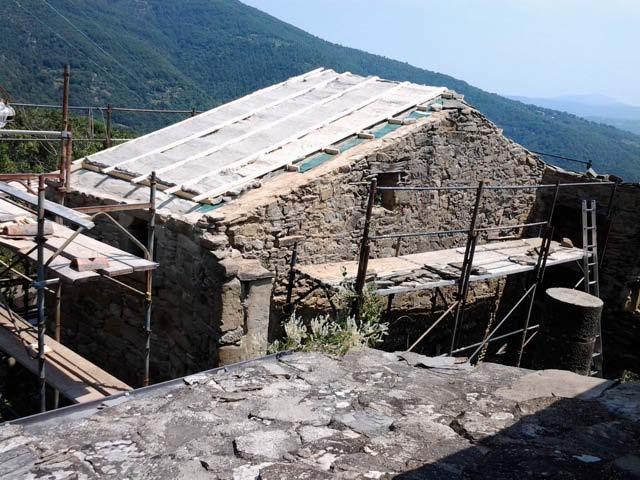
(568, 330)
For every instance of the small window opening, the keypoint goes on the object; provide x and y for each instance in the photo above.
(388, 198)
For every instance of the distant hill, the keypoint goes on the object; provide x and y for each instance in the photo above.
(598, 108)
(205, 52)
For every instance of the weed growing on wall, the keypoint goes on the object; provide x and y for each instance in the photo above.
(337, 336)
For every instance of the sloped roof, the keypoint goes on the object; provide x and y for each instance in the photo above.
(232, 145)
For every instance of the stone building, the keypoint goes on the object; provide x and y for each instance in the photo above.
(242, 183)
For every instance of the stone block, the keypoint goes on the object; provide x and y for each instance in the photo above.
(251, 270)
(232, 315)
(213, 242)
(289, 240)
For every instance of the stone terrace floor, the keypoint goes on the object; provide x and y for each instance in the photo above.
(368, 415)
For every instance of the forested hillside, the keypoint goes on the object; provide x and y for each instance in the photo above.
(204, 52)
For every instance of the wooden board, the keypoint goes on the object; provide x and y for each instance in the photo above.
(51, 207)
(493, 258)
(120, 262)
(74, 376)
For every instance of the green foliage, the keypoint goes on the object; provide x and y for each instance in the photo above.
(205, 52)
(337, 336)
(630, 377)
(38, 156)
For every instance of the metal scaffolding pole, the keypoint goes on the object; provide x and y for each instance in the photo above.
(467, 266)
(149, 277)
(288, 306)
(40, 284)
(363, 261)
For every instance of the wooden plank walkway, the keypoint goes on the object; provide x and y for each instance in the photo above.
(73, 375)
(120, 262)
(427, 270)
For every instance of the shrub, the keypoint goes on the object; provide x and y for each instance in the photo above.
(337, 336)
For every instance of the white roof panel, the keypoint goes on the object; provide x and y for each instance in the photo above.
(226, 147)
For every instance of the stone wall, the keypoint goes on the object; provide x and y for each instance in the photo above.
(619, 240)
(104, 322)
(213, 293)
(323, 209)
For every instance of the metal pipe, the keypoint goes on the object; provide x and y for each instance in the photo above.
(510, 227)
(467, 265)
(432, 326)
(390, 297)
(96, 140)
(122, 284)
(108, 126)
(588, 163)
(40, 240)
(13, 177)
(149, 277)
(62, 168)
(57, 336)
(541, 265)
(494, 339)
(436, 233)
(118, 109)
(292, 275)
(52, 133)
(504, 319)
(118, 207)
(495, 187)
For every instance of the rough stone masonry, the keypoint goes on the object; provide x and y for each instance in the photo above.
(368, 415)
(219, 290)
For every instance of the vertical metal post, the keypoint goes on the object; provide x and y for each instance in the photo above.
(553, 204)
(57, 336)
(68, 158)
(149, 278)
(288, 307)
(108, 126)
(390, 297)
(193, 112)
(40, 240)
(65, 126)
(467, 266)
(363, 259)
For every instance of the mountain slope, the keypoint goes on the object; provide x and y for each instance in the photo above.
(204, 52)
(597, 108)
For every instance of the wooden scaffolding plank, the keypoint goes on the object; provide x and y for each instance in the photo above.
(495, 262)
(74, 376)
(75, 251)
(51, 207)
(121, 262)
(60, 266)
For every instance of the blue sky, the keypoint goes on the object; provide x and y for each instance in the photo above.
(535, 48)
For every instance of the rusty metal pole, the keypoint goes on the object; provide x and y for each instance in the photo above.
(108, 126)
(149, 277)
(363, 259)
(57, 337)
(288, 307)
(62, 167)
(467, 266)
(42, 327)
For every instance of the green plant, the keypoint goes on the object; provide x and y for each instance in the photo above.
(337, 336)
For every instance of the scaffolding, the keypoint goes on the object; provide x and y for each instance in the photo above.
(60, 251)
(497, 258)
